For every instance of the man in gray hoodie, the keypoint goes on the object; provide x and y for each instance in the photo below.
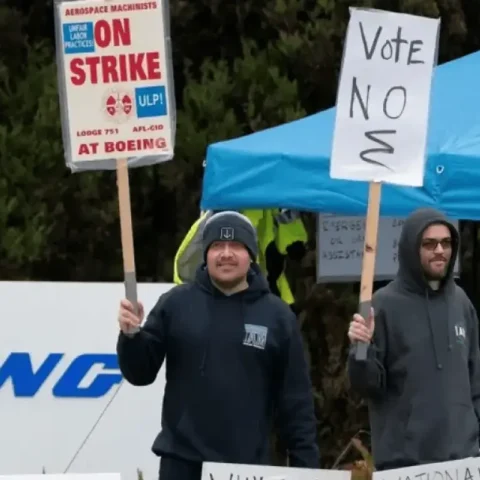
(422, 373)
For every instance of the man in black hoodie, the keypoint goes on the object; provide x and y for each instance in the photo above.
(422, 374)
(234, 361)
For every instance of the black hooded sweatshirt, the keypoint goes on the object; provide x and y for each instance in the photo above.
(422, 376)
(232, 364)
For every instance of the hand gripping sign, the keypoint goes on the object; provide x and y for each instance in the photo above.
(382, 114)
(116, 94)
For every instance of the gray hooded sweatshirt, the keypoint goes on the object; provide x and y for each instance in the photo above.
(422, 375)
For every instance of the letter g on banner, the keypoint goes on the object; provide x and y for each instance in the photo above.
(69, 384)
(80, 379)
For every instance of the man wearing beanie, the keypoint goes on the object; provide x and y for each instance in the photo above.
(235, 361)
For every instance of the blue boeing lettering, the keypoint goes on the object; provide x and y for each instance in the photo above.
(27, 383)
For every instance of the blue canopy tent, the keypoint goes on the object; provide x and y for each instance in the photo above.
(288, 166)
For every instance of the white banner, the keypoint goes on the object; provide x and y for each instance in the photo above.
(61, 389)
(383, 97)
(65, 476)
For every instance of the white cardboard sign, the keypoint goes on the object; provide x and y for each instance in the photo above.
(383, 97)
(64, 476)
(229, 471)
(466, 469)
(116, 82)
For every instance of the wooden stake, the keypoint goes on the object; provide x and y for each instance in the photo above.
(368, 262)
(128, 251)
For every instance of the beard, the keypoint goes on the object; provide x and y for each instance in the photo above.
(435, 275)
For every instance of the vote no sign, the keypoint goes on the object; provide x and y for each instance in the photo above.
(383, 99)
(115, 86)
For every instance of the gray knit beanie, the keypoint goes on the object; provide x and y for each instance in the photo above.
(233, 227)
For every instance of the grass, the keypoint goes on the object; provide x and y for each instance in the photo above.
(361, 469)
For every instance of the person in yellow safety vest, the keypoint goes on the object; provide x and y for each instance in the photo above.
(279, 231)
(190, 252)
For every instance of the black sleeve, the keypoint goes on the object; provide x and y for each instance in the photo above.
(296, 412)
(474, 360)
(368, 378)
(140, 357)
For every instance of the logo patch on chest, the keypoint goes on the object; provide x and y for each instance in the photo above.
(255, 336)
(460, 333)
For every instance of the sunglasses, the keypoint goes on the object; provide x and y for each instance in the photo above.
(432, 243)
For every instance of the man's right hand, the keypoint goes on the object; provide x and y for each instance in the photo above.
(128, 318)
(361, 330)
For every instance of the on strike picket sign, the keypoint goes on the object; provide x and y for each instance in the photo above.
(116, 88)
(383, 97)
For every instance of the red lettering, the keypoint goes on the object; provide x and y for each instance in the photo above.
(86, 10)
(115, 68)
(123, 68)
(110, 75)
(102, 33)
(87, 148)
(88, 133)
(117, 33)
(145, 128)
(121, 146)
(83, 149)
(77, 76)
(136, 68)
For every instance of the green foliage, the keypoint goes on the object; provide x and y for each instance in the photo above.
(27, 157)
(48, 227)
(239, 67)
